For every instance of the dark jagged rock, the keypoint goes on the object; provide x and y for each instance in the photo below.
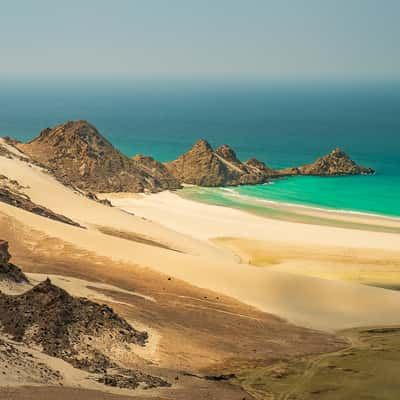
(228, 154)
(15, 362)
(78, 155)
(76, 330)
(260, 166)
(4, 254)
(157, 170)
(336, 163)
(125, 379)
(5, 152)
(224, 377)
(15, 198)
(199, 166)
(216, 378)
(203, 166)
(8, 271)
(93, 196)
(67, 321)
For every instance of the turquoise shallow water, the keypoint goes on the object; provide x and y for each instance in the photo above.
(314, 192)
(283, 124)
(337, 193)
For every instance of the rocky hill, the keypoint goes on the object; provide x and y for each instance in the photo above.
(67, 320)
(76, 330)
(88, 335)
(78, 155)
(204, 166)
(156, 169)
(336, 163)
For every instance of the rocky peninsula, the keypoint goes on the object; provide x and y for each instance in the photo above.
(204, 166)
(79, 156)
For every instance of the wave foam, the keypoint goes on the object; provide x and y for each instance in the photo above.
(247, 198)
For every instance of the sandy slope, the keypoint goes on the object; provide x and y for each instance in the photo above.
(184, 225)
(207, 221)
(43, 189)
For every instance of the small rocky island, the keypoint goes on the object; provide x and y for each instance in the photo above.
(336, 163)
(79, 156)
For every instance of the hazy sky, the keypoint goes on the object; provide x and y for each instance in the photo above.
(207, 38)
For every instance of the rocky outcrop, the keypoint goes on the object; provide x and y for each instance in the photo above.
(199, 166)
(20, 366)
(88, 335)
(157, 170)
(76, 330)
(93, 196)
(336, 163)
(78, 155)
(8, 271)
(4, 254)
(228, 154)
(68, 320)
(203, 166)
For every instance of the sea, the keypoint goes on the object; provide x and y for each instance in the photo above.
(281, 123)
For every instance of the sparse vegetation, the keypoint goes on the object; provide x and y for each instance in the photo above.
(367, 369)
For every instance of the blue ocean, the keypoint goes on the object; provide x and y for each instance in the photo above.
(281, 123)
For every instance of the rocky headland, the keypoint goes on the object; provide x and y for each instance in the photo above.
(78, 155)
(157, 170)
(204, 166)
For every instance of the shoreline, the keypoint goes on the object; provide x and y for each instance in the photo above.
(325, 209)
(200, 220)
(300, 213)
